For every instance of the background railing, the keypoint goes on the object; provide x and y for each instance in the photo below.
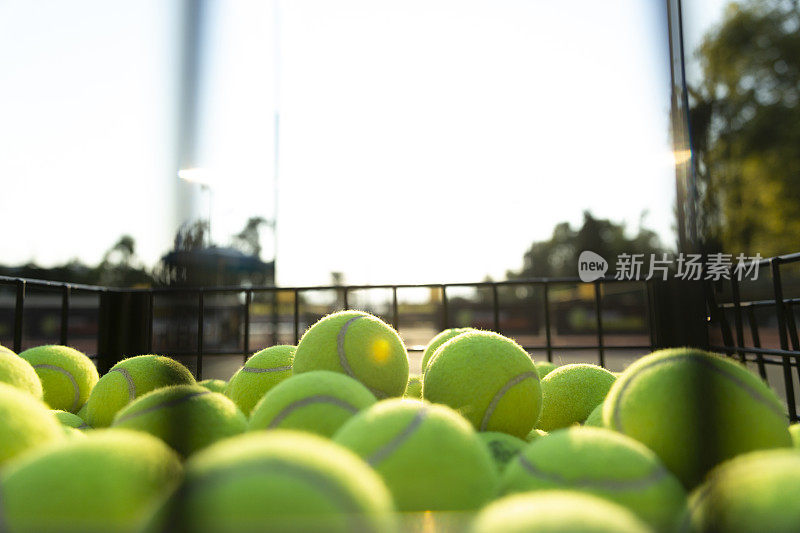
(608, 322)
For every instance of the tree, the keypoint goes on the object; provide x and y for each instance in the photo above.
(558, 256)
(249, 240)
(744, 116)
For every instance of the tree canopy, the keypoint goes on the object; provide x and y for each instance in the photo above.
(745, 122)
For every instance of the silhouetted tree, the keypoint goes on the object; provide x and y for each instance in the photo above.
(558, 256)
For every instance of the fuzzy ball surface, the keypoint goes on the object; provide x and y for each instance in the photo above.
(130, 379)
(754, 492)
(318, 402)
(67, 375)
(695, 410)
(108, 481)
(359, 345)
(430, 457)
(265, 369)
(25, 424)
(19, 373)
(602, 463)
(277, 481)
(571, 392)
(556, 511)
(489, 379)
(187, 417)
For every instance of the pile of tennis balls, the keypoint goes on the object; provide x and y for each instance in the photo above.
(335, 435)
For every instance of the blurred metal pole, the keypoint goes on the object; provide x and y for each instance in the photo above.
(686, 180)
(191, 17)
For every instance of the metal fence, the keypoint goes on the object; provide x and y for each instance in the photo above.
(550, 317)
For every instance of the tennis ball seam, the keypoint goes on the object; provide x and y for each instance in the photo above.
(499, 396)
(169, 403)
(387, 449)
(694, 358)
(605, 484)
(320, 398)
(129, 379)
(257, 370)
(340, 337)
(75, 387)
(317, 482)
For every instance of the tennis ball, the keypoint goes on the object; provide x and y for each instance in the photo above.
(556, 511)
(595, 418)
(571, 392)
(129, 379)
(187, 417)
(603, 463)
(502, 446)
(414, 388)
(359, 345)
(437, 341)
(794, 431)
(544, 368)
(70, 420)
(261, 372)
(214, 385)
(66, 374)
(318, 402)
(4, 349)
(19, 373)
(695, 410)
(489, 379)
(754, 492)
(277, 481)
(535, 434)
(25, 423)
(73, 433)
(429, 456)
(106, 482)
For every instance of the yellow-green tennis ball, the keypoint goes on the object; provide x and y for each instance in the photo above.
(214, 385)
(502, 446)
(260, 373)
(544, 368)
(187, 417)
(489, 379)
(754, 492)
(429, 456)
(66, 374)
(318, 402)
(73, 433)
(82, 411)
(359, 345)
(108, 481)
(603, 463)
(794, 431)
(535, 434)
(17, 372)
(437, 341)
(595, 418)
(25, 424)
(556, 511)
(129, 379)
(70, 420)
(571, 392)
(695, 410)
(4, 349)
(414, 388)
(277, 481)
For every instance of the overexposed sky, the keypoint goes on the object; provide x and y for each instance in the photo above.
(420, 141)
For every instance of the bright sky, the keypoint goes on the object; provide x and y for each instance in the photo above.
(420, 140)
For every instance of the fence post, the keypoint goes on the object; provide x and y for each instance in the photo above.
(124, 328)
(678, 313)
